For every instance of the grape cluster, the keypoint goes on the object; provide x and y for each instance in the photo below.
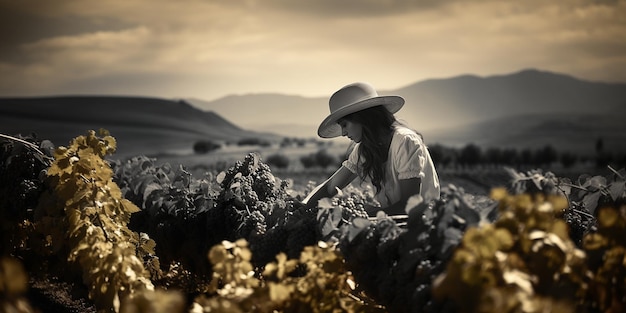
(579, 222)
(252, 225)
(249, 181)
(264, 183)
(20, 171)
(352, 206)
(265, 248)
(256, 205)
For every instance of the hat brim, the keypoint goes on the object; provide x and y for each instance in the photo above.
(329, 127)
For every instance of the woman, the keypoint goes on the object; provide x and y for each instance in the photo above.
(391, 156)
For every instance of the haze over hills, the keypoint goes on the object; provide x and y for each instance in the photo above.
(525, 109)
(140, 125)
(573, 132)
(522, 108)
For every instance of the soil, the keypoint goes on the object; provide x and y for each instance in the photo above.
(49, 294)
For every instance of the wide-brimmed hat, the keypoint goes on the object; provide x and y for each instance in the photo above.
(353, 98)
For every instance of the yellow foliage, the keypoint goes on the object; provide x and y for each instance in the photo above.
(513, 264)
(325, 287)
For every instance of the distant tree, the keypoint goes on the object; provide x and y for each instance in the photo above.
(324, 159)
(301, 142)
(436, 153)
(546, 156)
(254, 142)
(286, 142)
(621, 161)
(494, 156)
(470, 155)
(599, 145)
(204, 146)
(568, 159)
(526, 157)
(510, 156)
(278, 160)
(308, 161)
(604, 159)
(441, 155)
(321, 158)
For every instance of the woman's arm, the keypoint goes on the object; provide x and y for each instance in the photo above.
(340, 179)
(408, 188)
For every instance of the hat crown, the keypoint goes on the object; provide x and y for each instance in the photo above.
(351, 94)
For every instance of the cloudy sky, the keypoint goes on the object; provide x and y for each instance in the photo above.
(211, 48)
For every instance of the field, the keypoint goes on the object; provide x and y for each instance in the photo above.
(478, 181)
(224, 234)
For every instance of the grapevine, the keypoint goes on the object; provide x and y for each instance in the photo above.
(174, 211)
(87, 203)
(395, 265)
(258, 207)
(324, 287)
(148, 237)
(23, 162)
(524, 260)
(606, 249)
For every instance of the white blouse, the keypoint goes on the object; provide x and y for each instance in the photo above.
(408, 158)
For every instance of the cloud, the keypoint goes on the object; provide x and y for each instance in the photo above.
(212, 48)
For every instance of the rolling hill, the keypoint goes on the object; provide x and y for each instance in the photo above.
(571, 132)
(140, 125)
(528, 108)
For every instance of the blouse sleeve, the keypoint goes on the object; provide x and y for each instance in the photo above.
(351, 162)
(411, 157)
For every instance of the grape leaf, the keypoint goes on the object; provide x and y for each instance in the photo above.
(357, 226)
(129, 206)
(617, 190)
(220, 177)
(467, 212)
(595, 183)
(452, 237)
(329, 218)
(591, 201)
(148, 189)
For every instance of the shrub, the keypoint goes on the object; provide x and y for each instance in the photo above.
(253, 142)
(442, 156)
(278, 160)
(308, 161)
(204, 146)
(320, 159)
(470, 155)
(324, 159)
(568, 159)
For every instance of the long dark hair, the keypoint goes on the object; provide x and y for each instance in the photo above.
(376, 123)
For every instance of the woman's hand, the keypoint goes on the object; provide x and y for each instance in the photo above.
(328, 189)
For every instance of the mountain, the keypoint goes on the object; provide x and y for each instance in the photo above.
(140, 125)
(530, 108)
(469, 99)
(491, 110)
(284, 114)
(572, 132)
